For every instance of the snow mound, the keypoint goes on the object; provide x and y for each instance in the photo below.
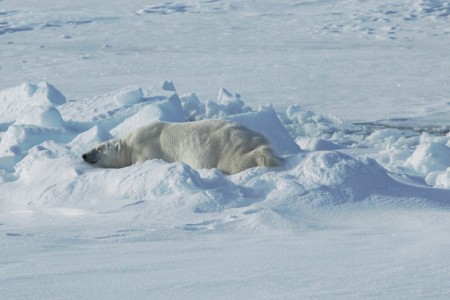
(429, 157)
(335, 169)
(177, 194)
(44, 116)
(16, 99)
(44, 137)
(128, 96)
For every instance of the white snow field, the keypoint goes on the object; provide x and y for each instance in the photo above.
(354, 95)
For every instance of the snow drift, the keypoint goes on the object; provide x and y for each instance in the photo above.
(50, 139)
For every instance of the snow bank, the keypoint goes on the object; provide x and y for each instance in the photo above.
(52, 138)
(16, 99)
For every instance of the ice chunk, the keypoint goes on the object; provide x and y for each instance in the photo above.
(128, 96)
(306, 123)
(168, 86)
(384, 137)
(429, 157)
(225, 105)
(46, 91)
(192, 107)
(45, 116)
(14, 100)
(224, 96)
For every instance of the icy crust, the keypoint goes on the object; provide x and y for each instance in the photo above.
(41, 144)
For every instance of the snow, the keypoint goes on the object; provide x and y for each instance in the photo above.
(429, 157)
(128, 96)
(352, 94)
(27, 96)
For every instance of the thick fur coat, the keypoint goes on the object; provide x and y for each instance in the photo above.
(224, 145)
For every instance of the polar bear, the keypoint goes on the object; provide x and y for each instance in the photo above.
(206, 144)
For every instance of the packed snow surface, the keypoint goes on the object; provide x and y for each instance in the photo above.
(353, 95)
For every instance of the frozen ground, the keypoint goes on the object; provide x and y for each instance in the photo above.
(383, 59)
(362, 211)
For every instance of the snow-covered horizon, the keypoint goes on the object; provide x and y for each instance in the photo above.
(354, 95)
(384, 60)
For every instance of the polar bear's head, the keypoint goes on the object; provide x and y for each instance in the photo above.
(109, 154)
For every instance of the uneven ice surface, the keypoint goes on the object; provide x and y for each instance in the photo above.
(353, 94)
(347, 195)
(52, 138)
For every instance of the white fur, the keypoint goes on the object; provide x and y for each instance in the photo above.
(203, 144)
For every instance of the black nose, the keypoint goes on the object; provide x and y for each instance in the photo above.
(84, 156)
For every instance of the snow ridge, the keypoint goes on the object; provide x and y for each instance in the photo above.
(53, 137)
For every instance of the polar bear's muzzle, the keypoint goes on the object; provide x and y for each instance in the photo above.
(91, 157)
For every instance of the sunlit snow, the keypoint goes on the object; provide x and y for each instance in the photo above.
(354, 95)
